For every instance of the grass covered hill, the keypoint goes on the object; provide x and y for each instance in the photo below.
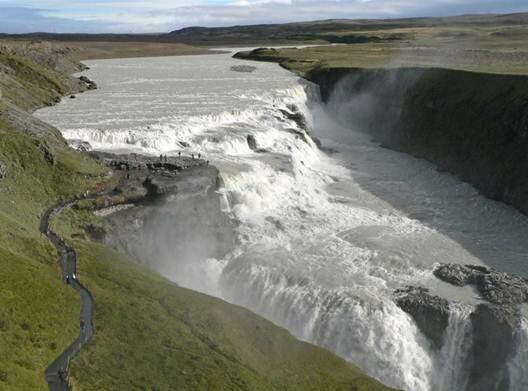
(149, 333)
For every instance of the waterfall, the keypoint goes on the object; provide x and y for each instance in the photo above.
(452, 371)
(518, 364)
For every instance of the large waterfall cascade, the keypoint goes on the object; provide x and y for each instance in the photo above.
(325, 235)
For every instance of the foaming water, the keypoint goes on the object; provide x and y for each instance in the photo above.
(324, 238)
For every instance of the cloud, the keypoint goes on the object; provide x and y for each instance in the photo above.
(165, 15)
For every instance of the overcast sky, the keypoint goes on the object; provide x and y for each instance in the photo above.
(139, 16)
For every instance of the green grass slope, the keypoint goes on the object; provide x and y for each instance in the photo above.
(38, 317)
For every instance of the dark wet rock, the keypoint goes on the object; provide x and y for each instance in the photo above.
(296, 116)
(80, 145)
(184, 144)
(493, 345)
(72, 96)
(502, 288)
(459, 275)
(317, 142)
(431, 313)
(90, 84)
(243, 68)
(494, 286)
(252, 142)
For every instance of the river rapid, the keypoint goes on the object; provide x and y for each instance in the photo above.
(325, 236)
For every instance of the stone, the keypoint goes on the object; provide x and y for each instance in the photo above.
(252, 142)
(494, 286)
(430, 313)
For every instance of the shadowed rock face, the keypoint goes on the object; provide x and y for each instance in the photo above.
(431, 313)
(493, 346)
(424, 112)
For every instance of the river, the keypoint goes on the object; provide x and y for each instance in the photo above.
(325, 236)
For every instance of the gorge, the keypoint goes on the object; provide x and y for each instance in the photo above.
(328, 239)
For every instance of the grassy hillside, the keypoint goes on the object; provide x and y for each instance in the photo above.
(38, 317)
(152, 334)
(149, 333)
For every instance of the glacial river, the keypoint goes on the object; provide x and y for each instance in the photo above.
(325, 237)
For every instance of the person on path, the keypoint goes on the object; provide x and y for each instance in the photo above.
(179, 154)
(199, 156)
(161, 158)
(192, 156)
(82, 324)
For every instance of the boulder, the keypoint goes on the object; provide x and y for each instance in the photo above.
(252, 142)
(494, 286)
(90, 84)
(431, 313)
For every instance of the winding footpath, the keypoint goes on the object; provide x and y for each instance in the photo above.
(57, 373)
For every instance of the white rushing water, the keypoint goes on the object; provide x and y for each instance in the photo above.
(325, 238)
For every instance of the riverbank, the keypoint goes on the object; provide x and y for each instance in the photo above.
(147, 330)
(467, 119)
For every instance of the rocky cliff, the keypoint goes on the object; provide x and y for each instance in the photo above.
(474, 125)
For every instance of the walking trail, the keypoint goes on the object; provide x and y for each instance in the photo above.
(57, 373)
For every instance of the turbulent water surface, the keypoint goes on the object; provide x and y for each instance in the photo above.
(325, 237)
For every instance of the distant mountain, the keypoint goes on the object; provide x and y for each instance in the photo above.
(331, 30)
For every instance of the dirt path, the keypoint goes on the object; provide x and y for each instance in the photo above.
(57, 373)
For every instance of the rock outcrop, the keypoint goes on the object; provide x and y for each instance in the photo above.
(431, 313)
(159, 208)
(494, 286)
(90, 84)
(494, 323)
